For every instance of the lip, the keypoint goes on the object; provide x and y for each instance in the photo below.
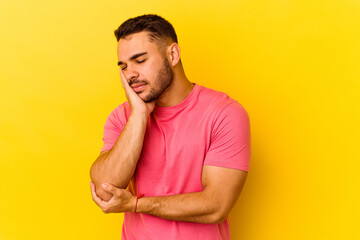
(138, 87)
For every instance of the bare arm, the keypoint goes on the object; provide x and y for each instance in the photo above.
(222, 186)
(117, 165)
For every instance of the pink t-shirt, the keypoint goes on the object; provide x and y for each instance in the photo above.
(209, 128)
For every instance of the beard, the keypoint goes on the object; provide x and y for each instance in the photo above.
(163, 80)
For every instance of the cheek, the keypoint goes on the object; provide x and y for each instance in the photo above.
(150, 71)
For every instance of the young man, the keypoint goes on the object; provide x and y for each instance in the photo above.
(185, 148)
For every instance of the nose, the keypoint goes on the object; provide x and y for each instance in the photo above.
(131, 73)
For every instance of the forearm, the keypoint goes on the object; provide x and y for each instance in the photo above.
(118, 165)
(197, 207)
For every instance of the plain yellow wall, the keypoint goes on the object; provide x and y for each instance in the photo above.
(293, 65)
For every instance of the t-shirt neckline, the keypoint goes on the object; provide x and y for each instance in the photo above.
(179, 106)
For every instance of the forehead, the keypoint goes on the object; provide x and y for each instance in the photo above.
(135, 43)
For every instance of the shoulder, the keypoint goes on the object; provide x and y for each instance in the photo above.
(220, 103)
(120, 114)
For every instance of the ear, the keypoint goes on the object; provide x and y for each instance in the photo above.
(174, 54)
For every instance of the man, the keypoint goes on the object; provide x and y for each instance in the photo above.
(184, 147)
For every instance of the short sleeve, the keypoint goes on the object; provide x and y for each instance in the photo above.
(230, 139)
(114, 124)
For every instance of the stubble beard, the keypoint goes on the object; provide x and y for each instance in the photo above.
(163, 80)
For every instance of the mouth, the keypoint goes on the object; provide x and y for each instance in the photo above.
(138, 87)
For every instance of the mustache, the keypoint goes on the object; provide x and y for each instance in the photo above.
(133, 81)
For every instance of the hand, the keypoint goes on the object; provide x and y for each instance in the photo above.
(136, 103)
(121, 201)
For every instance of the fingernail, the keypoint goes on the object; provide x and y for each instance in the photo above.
(104, 185)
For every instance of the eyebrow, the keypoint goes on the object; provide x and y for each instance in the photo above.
(133, 57)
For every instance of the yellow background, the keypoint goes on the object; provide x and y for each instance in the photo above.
(293, 65)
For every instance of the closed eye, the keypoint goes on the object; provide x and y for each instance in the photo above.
(138, 61)
(141, 61)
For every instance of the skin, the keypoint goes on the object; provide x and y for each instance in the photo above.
(221, 186)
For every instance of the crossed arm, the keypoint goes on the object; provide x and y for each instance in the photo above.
(221, 188)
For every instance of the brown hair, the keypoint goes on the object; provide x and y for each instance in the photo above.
(159, 29)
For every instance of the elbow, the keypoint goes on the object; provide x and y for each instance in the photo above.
(217, 210)
(96, 168)
(220, 219)
(100, 192)
(219, 216)
(95, 175)
(92, 173)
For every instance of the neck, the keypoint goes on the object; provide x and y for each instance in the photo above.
(179, 89)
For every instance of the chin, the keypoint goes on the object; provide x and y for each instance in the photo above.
(147, 99)
(143, 96)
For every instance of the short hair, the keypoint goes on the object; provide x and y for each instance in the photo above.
(159, 29)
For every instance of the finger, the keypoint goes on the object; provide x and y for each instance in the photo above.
(124, 82)
(110, 188)
(129, 92)
(95, 197)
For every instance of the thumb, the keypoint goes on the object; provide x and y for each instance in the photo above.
(109, 188)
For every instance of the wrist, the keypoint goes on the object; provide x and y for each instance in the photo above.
(137, 202)
(149, 205)
(132, 204)
(136, 115)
